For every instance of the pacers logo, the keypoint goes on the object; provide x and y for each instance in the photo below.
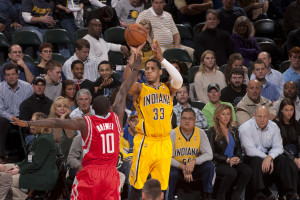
(131, 173)
(133, 14)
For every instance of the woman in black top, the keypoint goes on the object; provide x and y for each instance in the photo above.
(225, 143)
(289, 130)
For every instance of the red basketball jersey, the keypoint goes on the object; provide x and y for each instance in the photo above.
(101, 145)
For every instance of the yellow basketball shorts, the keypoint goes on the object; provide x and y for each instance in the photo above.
(150, 156)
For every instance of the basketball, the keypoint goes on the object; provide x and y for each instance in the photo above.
(135, 35)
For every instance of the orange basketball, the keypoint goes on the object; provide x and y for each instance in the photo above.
(135, 35)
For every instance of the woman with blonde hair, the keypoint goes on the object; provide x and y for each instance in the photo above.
(60, 109)
(208, 73)
(244, 43)
(227, 154)
(38, 170)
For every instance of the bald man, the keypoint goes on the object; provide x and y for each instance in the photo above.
(272, 76)
(247, 106)
(289, 91)
(262, 142)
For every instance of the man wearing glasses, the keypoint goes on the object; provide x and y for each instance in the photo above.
(26, 71)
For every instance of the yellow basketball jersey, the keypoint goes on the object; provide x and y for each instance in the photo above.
(184, 149)
(154, 107)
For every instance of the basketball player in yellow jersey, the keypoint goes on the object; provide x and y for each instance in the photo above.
(152, 150)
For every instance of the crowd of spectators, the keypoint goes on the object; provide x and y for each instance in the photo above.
(248, 102)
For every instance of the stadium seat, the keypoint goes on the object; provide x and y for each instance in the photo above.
(264, 39)
(222, 68)
(115, 35)
(284, 66)
(58, 57)
(3, 41)
(28, 59)
(57, 36)
(272, 49)
(116, 58)
(26, 37)
(198, 28)
(198, 104)
(80, 33)
(185, 32)
(264, 28)
(192, 71)
(180, 54)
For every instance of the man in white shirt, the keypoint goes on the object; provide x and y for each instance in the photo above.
(262, 142)
(99, 47)
(84, 100)
(82, 49)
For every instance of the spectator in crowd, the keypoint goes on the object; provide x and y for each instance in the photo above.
(84, 100)
(235, 61)
(98, 47)
(227, 154)
(82, 49)
(214, 39)
(37, 102)
(38, 170)
(181, 67)
(164, 28)
(38, 16)
(53, 78)
(126, 144)
(77, 68)
(107, 16)
(5, 183)
(108, 80)
(289, 129)
(246, 108)
(60, 109)
(65, 15)
(293, 39)
(26, 71)
(289, 91)
(12, 93)
(228, 15)
(182, 96)
(262, 142)
(277, 8)
(297, 82)
(292, 17)
(293, 72)
(45, 50)
(190, 166)
(68, 91)
(244, 43)
(272, 76)
(192, 12)
(269, 90)
(147, 50)
(152, 190)
(214, 94)
(128, 11)
(208, 73)
(255, 10)
(9, 19)
(235, 90)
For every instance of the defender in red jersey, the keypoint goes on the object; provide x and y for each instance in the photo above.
(99, 179)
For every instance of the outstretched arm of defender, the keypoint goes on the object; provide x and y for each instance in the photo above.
(71, 124)
(176, 78)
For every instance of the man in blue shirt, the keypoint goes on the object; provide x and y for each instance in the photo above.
(12, 93)
(262, 142)
(25, 70)
(269, 90)
(293, 72)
